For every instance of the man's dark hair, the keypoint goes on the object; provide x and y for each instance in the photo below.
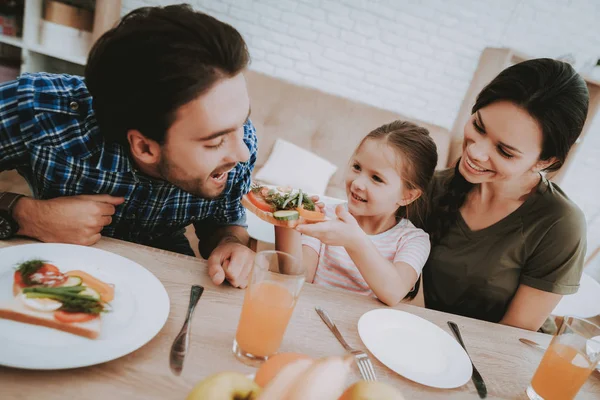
(154, 61)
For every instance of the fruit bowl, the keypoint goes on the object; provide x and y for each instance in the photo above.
(293, 376)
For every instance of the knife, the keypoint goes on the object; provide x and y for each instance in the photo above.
(180, 345)
(476, 377)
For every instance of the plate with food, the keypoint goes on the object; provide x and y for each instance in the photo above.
(67, 306)
(282, 206)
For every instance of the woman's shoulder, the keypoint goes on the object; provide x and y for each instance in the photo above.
(554, 209)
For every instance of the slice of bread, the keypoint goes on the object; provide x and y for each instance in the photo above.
(268, 216)
(17, 311)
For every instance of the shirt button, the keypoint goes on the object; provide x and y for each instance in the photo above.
(74, 106)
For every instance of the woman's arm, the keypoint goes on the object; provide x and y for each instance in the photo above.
(553, 270)
(530, 307)
(390, 282)
(290, 241)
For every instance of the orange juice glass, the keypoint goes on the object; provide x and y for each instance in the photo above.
(567, 363)
(274, 286)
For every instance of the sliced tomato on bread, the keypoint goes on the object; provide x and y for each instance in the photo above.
(278, 207)
(45, 275)
(70, 317)
(267, 216)
(72, 302)
(259, 202)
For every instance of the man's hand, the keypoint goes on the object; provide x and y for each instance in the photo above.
(232, 261)
(72, 219)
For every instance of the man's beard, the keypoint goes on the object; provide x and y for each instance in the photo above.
(195, 186)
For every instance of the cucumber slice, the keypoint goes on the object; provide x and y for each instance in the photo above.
(90, 292)
(286, 215)
(73, 281)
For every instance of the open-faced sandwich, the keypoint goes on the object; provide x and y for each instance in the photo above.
(282, 206)
(71, 302)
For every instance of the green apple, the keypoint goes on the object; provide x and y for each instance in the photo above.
(225, 386)
(364, 390)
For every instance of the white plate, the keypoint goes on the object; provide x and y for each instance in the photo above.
(415, 348)
(140, 309)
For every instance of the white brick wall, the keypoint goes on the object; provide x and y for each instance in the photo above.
(414, 57)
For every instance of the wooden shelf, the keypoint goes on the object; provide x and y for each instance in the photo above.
(35, 55)
(12, 40)
(37, 48)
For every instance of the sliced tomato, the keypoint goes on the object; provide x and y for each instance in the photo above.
(70, 317)
(259, 202)
(47, 275)
(311, 215)
(19, 278)
(49, 271)
(46, 268)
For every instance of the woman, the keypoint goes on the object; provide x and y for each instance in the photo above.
(507, 244)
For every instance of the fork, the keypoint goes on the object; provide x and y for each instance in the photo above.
(362, 360)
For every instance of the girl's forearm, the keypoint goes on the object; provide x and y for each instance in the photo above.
(288, 241)
(382, 276)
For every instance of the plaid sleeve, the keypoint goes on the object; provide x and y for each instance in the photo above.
(13, 143)
(230, 210)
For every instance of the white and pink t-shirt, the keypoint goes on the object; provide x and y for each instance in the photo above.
(402, 243)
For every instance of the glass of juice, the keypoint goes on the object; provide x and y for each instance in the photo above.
(273, 288)
(567, 363)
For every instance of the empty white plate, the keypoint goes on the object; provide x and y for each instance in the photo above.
(415, 348)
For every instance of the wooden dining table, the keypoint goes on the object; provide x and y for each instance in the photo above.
(505, 364)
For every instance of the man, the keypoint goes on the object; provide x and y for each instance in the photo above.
(156, 137)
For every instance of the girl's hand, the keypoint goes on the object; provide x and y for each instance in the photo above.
(343, 231)
(320, 206)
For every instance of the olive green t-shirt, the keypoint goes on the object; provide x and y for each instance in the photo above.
(542, 244)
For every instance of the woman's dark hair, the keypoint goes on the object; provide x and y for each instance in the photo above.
(553, 93)
(418, 157)
(154, 61)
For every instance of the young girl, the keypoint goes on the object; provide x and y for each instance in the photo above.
(373, 245)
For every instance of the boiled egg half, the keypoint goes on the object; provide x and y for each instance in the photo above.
(40, 304)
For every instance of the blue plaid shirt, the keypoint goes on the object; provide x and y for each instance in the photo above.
(49, 133)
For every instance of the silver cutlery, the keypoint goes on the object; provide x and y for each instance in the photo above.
(476, 377)
(180, 345)
(362, 360)
(532, 344)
